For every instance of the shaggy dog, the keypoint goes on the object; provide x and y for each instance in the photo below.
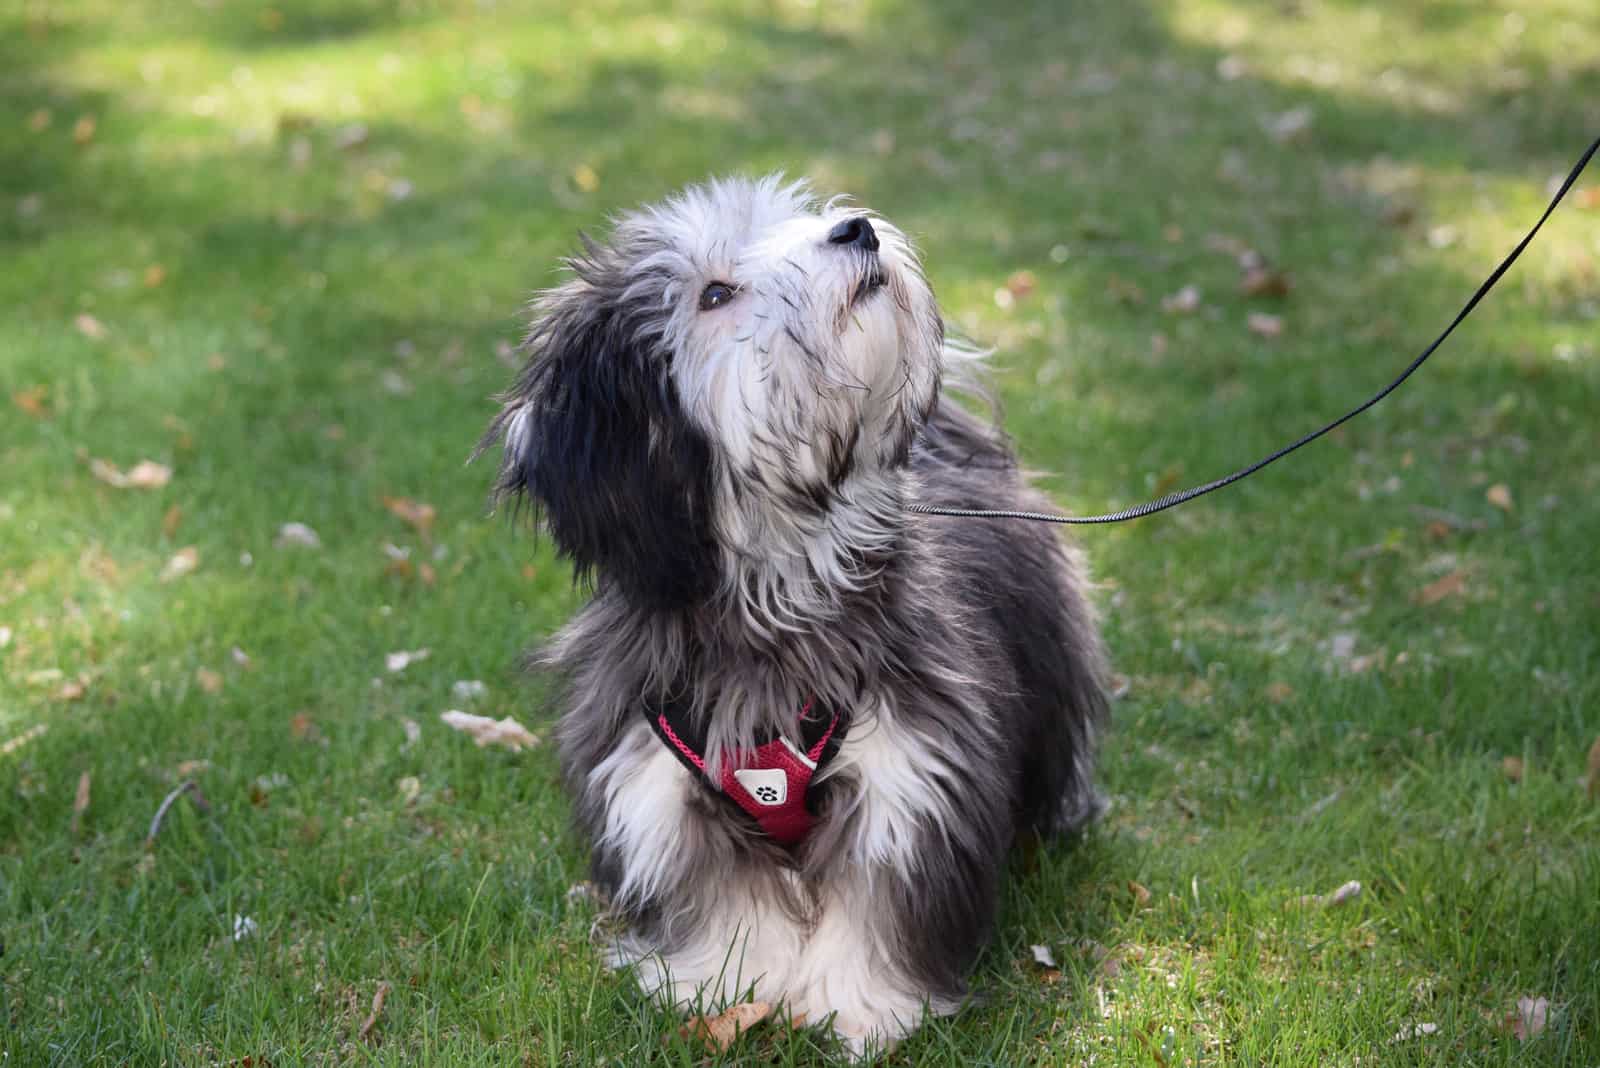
(802, 723)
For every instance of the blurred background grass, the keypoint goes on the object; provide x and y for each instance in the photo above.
(282, 249)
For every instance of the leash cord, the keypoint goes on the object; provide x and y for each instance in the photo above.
(1172, 500)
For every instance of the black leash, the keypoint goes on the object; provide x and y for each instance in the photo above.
(1172, 500)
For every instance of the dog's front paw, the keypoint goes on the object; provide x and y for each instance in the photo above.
(866, 1039)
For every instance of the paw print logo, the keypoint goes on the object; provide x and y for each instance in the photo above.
(769, 786)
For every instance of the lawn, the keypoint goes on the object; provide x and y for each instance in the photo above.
(282, 251)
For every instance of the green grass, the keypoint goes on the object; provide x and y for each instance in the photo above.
(318, 341)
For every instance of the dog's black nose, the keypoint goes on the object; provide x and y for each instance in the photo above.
(857, 231)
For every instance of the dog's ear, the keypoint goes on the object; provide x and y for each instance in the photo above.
(596, 440)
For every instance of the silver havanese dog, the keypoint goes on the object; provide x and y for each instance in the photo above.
(802, 723)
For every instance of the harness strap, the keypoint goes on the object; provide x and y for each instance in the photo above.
(770, 783)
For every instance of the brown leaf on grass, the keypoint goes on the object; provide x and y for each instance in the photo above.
(724, 1030)
(13, 744)
(1123, 291)
(1593, 789)
(80, 801)
(1263, 281)
(379, 996)
(297, 535)
(170, 521)
(1529, 1020)
(32, 401)
(210, 681)
(89, 326)
(1437, 590)
(301, 727)
(1499, 495)
(183, 562)
(1021, 283)
(73, 689)
(1347, 892)
(417, 513)
(146, 474)
(154, 275)
(485, 731)
(39, 120)
(1512, 767)
(1183, 301)
(1279, 692)
(399, 661)
(83, 129)
(1268, 326)
(1141, 894)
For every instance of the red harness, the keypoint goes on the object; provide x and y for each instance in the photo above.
(770, 783)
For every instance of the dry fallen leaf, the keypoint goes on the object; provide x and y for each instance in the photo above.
(1347, 892)
(12, 745)
(1141, 895)
(170, 521)
(1184, 300)
(146, 474)
(89, 326)
(722, 1031)
(1499, 495)
(1512, 766)
(1530, 1018)
(80, 801)
(1021, 283)
(485, 731)
(83, 130)
(301, 727)
(32, 401)
(1265, 325)
(154, 275)
(1594, 771)
(297, 535)
(1437, 590)
(1414, 1031)
(417, 513)
(40, 120)
(400, 661)
(1262, 281)
(378, 998)
(1279, 692)
(210, 681)
(183, 562)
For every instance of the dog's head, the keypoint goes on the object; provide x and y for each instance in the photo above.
(725, 364)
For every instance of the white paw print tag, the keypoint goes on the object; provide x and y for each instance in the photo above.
(769, 786)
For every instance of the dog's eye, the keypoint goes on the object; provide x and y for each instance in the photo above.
(716, 295)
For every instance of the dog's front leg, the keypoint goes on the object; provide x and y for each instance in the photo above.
(909, 870)
(706, 922)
